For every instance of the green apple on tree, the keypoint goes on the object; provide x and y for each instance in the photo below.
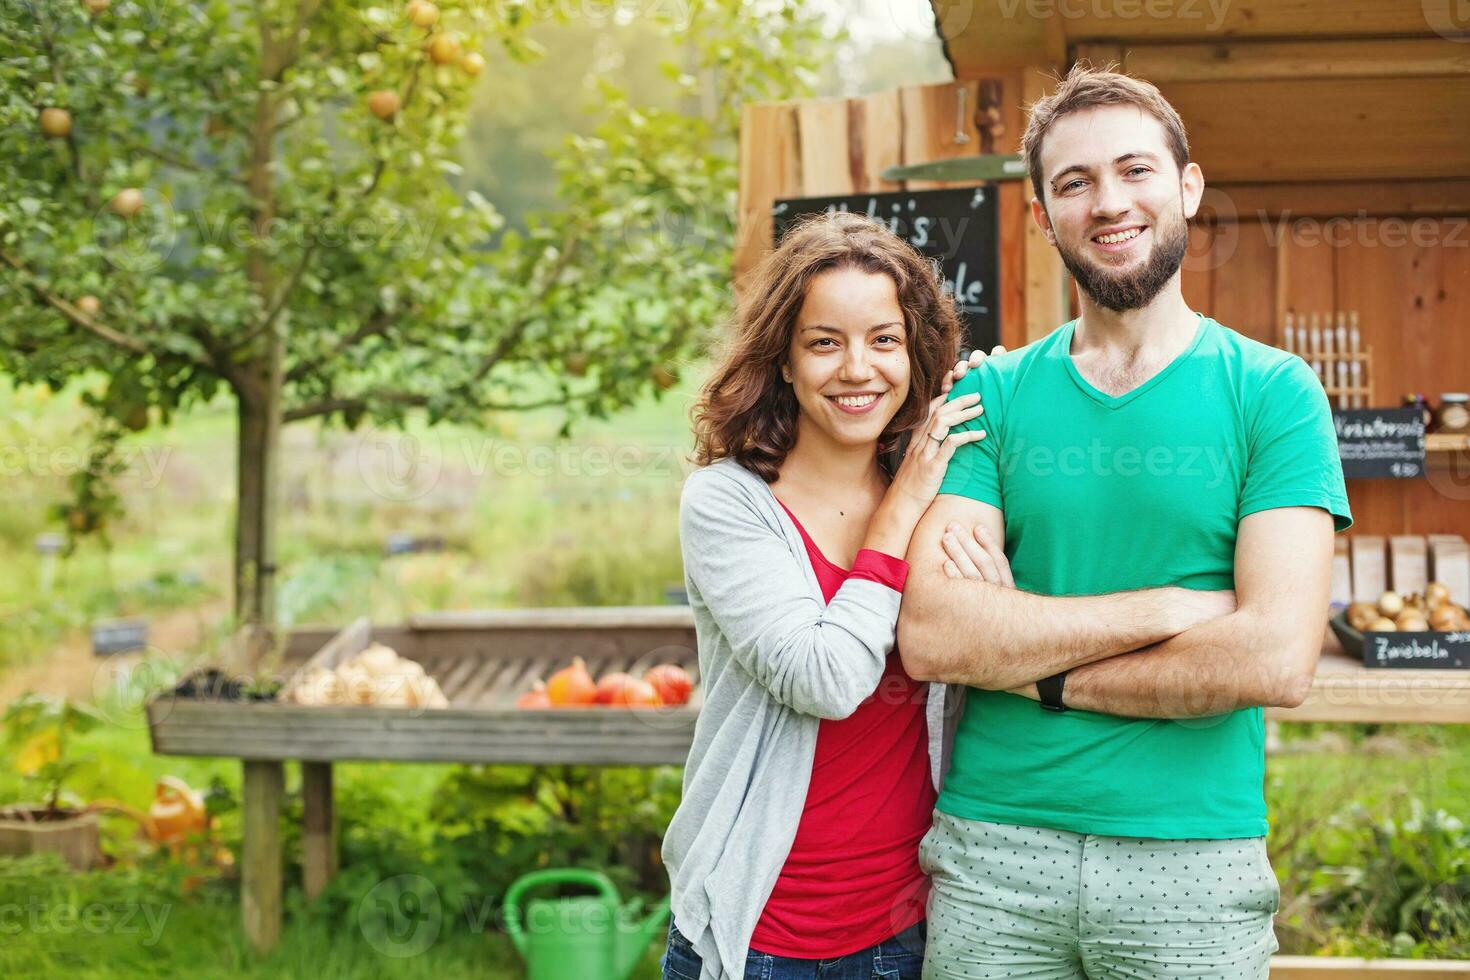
(55, 123)
(127, 202)
(384, 103)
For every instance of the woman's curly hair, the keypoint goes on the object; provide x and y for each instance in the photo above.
(746, 411)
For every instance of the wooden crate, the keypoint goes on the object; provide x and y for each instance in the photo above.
(482, 661)
(594, 736)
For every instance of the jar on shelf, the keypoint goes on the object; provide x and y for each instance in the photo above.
(1454, 413)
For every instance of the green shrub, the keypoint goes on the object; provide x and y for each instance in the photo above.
(485, 827)
(1393, 884)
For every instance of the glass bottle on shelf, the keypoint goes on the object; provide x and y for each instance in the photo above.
(1418, 401)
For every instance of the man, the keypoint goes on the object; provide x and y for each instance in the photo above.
(1149, 565)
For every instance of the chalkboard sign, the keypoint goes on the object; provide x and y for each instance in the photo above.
(1435, 651)
(1380, 443)
(959, 227)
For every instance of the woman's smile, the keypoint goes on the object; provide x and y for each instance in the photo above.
(857, 403)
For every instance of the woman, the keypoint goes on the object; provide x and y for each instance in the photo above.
(809, 783)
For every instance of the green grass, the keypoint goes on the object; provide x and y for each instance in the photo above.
(145, 927)
(87, 928)
(1435, 766)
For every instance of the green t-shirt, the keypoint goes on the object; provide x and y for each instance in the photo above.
(1108, 494)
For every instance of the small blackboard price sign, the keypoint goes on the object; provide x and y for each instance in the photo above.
(1434, 651)
(1380, 443)
(1415, 651)
(959, 227)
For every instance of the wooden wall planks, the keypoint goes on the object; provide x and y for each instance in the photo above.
(840, 146)
(770, 167)
(1359, 204)
(1409, 280)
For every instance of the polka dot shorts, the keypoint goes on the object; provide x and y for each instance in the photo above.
(1010, 902)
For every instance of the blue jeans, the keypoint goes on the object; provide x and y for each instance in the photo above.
(898, 958)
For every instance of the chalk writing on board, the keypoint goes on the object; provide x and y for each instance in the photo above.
(1380, 442)
(958, 228)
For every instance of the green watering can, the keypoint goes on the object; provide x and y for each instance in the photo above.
(590, 937)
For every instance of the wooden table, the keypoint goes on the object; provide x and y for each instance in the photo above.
(484, 659)
(1346, 691)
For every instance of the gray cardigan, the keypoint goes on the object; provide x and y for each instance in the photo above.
(774, 659)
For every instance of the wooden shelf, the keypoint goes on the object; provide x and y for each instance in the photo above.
(1346, 691)
(1344, 968)
(1446, 442)
(1343, 691)
(268, 730)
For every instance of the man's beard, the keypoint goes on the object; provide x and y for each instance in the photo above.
(1121, 291)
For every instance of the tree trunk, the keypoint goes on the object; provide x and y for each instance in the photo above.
(258, 391)
(257, 480)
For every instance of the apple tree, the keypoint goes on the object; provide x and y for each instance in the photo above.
(255, 197)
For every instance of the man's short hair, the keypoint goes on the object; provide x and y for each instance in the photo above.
(1086, 87)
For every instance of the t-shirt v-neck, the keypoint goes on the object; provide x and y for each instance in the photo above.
(1118, 401)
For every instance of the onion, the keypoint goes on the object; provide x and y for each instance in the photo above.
(357, 684)
(319, 686)
(393, 690)
(1411, 621)
(1444, 618)
(377, 659)
(1360, 614)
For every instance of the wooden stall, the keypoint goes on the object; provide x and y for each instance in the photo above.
(1334, 136)
(482, 661)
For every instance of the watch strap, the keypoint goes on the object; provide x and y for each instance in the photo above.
(1049, 689)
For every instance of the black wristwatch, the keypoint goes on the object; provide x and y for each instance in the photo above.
(1049, 689)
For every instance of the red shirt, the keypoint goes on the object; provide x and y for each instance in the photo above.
(852, 878)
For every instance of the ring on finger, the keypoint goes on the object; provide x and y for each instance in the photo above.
(936, 437)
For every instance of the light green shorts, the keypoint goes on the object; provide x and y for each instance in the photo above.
(1012, 902)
